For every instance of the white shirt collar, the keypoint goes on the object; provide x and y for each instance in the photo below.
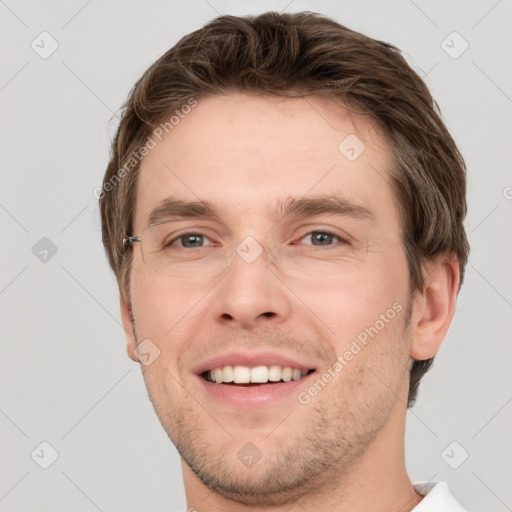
(437, 498)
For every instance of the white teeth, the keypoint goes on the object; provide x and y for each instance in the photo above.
(274, 373)
(286, 374)
(258, 374)
(242, 375)
(228, 374)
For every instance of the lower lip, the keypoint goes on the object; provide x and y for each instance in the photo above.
(250, 396)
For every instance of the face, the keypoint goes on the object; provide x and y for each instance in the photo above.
(297, 263)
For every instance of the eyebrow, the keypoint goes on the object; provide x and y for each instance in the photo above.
(173, 209)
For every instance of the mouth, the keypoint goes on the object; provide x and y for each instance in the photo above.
(248, 379)
(256, 376)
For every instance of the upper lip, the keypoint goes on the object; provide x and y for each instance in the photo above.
(252, 359)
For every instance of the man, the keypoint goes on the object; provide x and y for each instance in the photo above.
(284, 210)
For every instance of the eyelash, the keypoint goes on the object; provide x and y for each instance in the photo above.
(325, 232)
(321, 231)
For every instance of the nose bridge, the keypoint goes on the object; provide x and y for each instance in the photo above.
(251, 292)
(249, 250)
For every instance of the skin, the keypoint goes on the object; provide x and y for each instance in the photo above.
(344, 450)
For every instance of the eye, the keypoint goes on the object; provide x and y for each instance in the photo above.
(190, 240)
(322, 238)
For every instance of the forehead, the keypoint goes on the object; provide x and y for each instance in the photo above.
(246, 152)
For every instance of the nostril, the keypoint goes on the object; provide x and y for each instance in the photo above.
(269, 313)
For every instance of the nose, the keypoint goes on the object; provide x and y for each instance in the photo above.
(252, 294)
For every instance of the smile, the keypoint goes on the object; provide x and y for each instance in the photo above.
(256, 375)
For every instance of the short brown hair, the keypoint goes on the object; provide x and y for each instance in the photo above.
(305, 52)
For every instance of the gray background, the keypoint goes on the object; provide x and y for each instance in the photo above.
(65, 376)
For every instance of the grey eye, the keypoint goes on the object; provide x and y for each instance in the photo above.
(321, 238)
(191, 240)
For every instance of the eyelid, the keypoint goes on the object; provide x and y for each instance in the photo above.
(342, 236)
(199, 229)
(196, 233)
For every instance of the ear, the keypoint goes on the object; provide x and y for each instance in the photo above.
(434, 307)
(129, 329)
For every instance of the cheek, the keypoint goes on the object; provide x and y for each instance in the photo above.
(164, 315)
(358, 295)
(158, 304)
(371, 346)
(149, 306)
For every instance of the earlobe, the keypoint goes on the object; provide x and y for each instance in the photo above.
(129, 329)
(434, 308)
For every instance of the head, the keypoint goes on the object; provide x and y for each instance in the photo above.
(265, 123)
